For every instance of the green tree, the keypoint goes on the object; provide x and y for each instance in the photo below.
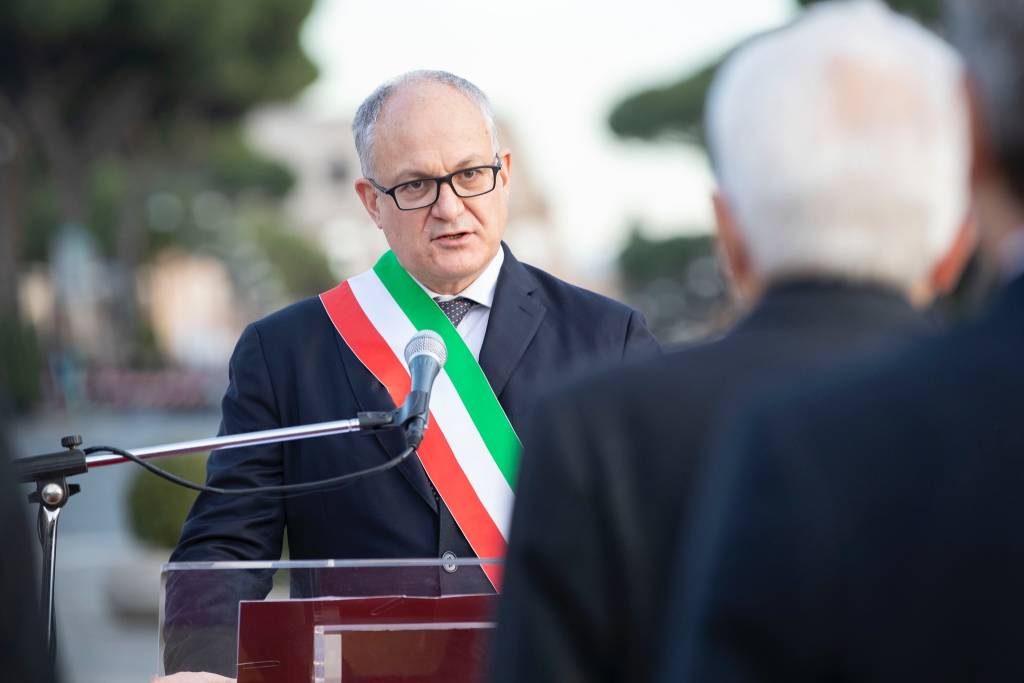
(676, 110)
(301, 268)
(156, 508)
(88, 78)
(107, 99)
(676, 283)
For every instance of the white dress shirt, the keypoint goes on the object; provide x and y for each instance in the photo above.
(473, 325)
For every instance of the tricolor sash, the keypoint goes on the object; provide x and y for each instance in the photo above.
(470, 451)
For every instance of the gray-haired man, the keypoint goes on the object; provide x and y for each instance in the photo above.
(437, 183)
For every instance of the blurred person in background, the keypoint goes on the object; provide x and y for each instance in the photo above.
(867, 526)
(23, 652)
(839, 144)
(437, 183)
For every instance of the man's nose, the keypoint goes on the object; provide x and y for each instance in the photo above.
(448, 205)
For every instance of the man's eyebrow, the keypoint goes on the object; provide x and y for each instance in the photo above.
(407, 174)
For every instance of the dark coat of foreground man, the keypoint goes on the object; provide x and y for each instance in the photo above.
(604, 493)
(869, 528)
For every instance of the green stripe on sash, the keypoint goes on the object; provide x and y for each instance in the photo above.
(465, 372)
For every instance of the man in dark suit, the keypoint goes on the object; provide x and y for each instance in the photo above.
(425, 141)
(868, 527)
(830, 253)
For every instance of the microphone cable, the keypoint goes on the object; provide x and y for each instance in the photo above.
(279, 492)
(425, 344)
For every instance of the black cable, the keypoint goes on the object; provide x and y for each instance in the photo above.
(293, 489)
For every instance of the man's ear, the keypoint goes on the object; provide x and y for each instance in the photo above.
(732, 249)
(946, 273)
(505, 174)
(983, 163)
(370, 198)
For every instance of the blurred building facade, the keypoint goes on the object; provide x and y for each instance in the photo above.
(324, 205)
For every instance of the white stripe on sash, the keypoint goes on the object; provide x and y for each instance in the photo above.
(446, 404)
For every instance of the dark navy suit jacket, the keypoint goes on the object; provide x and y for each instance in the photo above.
(293, 368)
(869, 527)
(609, 477)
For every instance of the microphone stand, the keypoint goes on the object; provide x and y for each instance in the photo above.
(51, 470)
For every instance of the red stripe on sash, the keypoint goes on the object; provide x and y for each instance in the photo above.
(434, 452)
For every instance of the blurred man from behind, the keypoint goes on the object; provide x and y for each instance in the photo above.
(840, 148)
(868, 527)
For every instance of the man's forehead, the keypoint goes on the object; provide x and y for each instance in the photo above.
(426, 124)
(428, 107)
(419, 91)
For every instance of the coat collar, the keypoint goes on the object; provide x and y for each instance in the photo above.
(832, 304)
(515, 318)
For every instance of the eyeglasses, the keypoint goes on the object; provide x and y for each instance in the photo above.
(423, 192)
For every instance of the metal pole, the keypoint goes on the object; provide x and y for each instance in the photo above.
(48, 518)
(52, 497)
(266, 436)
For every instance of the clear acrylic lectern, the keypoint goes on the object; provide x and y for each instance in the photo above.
(330, 621)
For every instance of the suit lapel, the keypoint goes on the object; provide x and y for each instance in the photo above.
(371, 395)
(515, 317)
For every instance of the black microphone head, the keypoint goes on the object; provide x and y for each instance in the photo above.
(426, 343)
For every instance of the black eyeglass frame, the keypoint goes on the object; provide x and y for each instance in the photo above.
(494, 168)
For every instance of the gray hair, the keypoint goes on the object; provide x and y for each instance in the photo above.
(990, 34)
(365, 122)
(841, 143)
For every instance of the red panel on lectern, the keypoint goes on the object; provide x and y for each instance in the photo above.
(380, 640)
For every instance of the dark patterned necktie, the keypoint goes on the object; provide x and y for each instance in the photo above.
(456, 309)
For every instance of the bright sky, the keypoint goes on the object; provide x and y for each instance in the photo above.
(554, 70)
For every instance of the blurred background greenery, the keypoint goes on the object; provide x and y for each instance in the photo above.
(125, 165)
(675, 111)
(157, 508)
(116, 117)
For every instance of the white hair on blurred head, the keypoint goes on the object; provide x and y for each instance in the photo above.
(841, 144)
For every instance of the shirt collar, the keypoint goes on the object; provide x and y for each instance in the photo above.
(481, 290)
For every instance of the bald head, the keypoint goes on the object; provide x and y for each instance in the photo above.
(399, 96)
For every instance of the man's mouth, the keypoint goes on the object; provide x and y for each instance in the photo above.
(452, 237)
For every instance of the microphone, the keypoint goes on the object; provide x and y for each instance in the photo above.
(425, 354)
